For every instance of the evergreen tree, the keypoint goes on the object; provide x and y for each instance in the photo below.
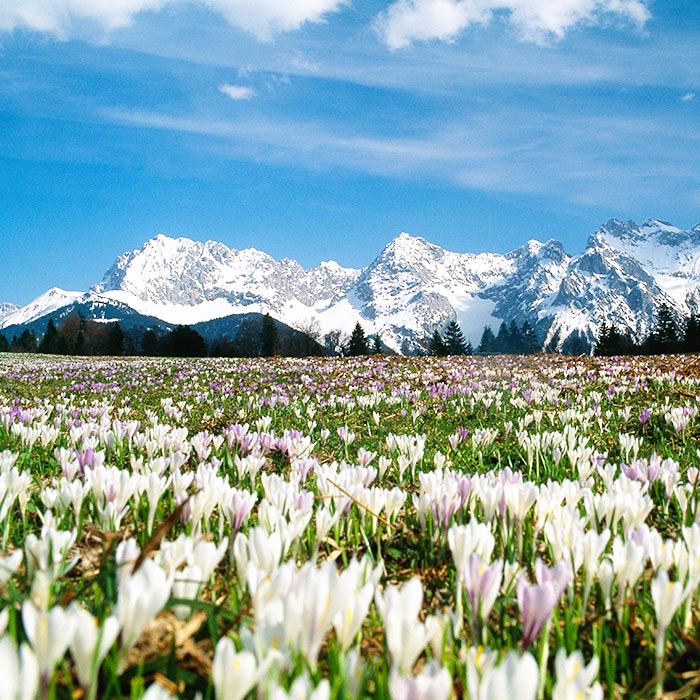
(357, 345)
(184, 341)
(51, 341)
(436, 346)
(516, 338)
(503, 340)
(269, 340)
(26, 342)
(488, 341)
(377, 346)
(454, 339)
(115, 340)
(530, 343)
(691, 334)
(4, 345)
(149, 343)
(665, 337)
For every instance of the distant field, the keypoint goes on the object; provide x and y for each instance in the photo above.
(473, 527)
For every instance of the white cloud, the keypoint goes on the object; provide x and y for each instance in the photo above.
(406, 21)
(688, 97)
(237, 92)
(59, 17)
(419, 20)
(262, 18)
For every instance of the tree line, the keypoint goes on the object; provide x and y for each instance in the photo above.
(669, 335)
(76, 335)
(511, 339)
(262, 337)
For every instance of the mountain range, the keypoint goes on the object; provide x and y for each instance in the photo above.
(624, 274)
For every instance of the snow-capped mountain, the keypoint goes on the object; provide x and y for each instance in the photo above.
(6, 309)
(185, 281)
(44, 304)
(412, 288)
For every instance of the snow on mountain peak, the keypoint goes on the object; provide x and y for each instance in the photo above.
(7, 308)
(51, 300)
(413, 287)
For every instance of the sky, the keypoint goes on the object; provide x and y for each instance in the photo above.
(321, 129)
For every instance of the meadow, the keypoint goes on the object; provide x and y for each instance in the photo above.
(474, 527)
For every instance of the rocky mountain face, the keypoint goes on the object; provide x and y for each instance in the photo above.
(412, 288)
(6, 309)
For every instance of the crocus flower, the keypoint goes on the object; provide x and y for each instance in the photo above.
(9, 564)
(355, 605)
(233, 673)
(538, 600)
(482, 584)
(668, 596)
(302, 690)
(575, 679)
(406, 636)
(49, 632)
(432, 683)
(20, 671)
(515, 677)
(140, 596)
(90, 645)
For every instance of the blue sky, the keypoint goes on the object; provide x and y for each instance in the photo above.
(320, 129)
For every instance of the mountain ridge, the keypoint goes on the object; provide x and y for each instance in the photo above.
(413, 286)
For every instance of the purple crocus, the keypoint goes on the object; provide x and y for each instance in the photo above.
(644, 416)
(538, 600)
(482, 583)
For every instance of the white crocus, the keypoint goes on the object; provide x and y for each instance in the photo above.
(515, 677)
(406, 636)
(9, 564)
(575, 679)
(90, 645)
(140, 596)
(20, 671)
(355, 604)
(432, 683)
(233, 673)
(49, 633)
(302, 689)
(668, 596)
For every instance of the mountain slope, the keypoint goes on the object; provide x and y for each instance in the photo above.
(411, 288)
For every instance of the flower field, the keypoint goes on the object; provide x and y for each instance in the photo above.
(433, 528)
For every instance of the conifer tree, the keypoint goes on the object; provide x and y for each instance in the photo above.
(530, 342)
(488, 341)
(503, 342)
(454, 339)
(436, 346)
(357, 345)
(269, 342)
(664, 338)
(691, 335)
(49, 344)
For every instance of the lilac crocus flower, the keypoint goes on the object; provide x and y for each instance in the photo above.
(538, 600)
(482, 584)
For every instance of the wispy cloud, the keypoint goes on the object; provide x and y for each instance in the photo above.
(539, 21)
(688, 97)
(237, 92)
(618, 162)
